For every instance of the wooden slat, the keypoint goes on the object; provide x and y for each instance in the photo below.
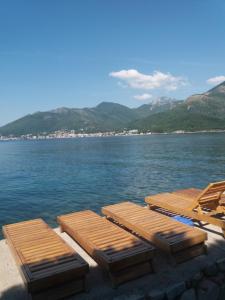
(44, 259)
(189, 194)
(111, 246)
(165, 233)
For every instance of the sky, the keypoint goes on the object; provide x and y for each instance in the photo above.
(78, 53)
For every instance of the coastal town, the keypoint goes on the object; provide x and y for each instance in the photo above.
(69, 134)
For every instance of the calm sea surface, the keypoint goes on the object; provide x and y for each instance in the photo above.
(53, 177)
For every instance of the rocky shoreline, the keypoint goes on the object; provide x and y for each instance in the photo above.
(207, 284)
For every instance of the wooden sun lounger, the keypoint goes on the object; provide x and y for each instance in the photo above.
(180, 241)
(203, 205)
(120, 253)
(211, 198)
(50, 268)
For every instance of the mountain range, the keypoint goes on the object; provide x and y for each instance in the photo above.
(204, 111)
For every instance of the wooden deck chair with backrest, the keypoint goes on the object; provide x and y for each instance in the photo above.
(205, 205)
(208, 199)
(120, 253)
(50, 268)
(179, 241)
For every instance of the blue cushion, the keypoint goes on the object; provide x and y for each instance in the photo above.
(183, 220)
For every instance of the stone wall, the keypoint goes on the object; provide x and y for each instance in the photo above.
(207, 284)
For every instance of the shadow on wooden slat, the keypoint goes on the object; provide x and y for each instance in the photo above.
(167, 251)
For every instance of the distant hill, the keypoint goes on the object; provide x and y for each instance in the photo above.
(199, 112)
(160, 104)
(106, 116)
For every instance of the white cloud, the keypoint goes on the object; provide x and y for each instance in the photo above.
(157, 79)
(216, 80)
(143, 97)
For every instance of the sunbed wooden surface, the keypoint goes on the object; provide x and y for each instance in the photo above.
(179, 240)
(123, 255)
(50, 268)
(203, 205)
(209, 198)
(190, 194)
